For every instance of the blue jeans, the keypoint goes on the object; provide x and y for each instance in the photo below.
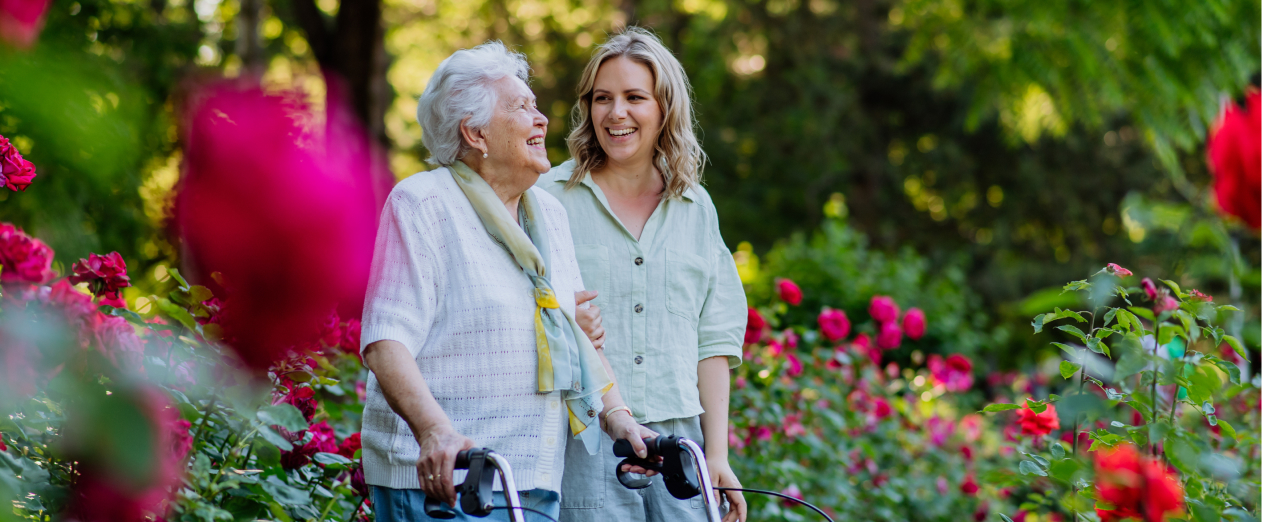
(408, 505)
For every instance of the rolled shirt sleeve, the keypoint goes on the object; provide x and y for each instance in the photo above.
(402, 292)
(721, 326)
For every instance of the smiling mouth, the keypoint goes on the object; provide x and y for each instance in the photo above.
(622, 132)
(536, 141)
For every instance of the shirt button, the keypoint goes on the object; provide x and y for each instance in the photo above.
(639, 261)
(639, 359)
(551, 440)
(639, 308)
(553, 405)
(591, 413)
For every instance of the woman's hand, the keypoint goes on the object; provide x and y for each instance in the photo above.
(439, 447)
(588, 317)
(621, 425)
(721, 476)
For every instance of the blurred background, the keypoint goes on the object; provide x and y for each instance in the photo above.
(977, 154)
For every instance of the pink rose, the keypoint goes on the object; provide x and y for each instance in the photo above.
(969, 486)
(1197, 295)
(914, 323)
(1117, 270)
(1165, 303)
(117, 340)
(793, 427)
(24, 258)
(791, 491)
(890, 336)
(883, 309)
(881, 408)
(1149, 288)
(324, 439)
(15, 172)
(955, 372)
(795, 365)
(789, 292)
(349, 446)
(350, 337)
(833, 324)
(105, 275)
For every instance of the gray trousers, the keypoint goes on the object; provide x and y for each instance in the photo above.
(590, 491)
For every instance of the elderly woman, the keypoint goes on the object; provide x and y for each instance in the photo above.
(648, 243)
(468, 325)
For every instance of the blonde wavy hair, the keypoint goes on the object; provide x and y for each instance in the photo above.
(677, 153)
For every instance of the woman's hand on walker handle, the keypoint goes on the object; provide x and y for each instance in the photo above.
(439, 446)
(588, 317)
(621, 425)
(721, 476)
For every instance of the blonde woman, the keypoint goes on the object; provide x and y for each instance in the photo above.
(653, 263)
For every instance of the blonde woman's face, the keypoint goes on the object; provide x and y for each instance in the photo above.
(625, 113)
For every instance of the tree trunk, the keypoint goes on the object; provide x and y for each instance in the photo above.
(351, 52)
(249, 42)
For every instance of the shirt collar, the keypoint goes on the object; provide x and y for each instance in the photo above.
(564, 176)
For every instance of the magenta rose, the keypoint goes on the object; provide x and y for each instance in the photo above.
(914, 323)
(24, 258)
(754, 326)
(789, 292)
(955, 372)
(22, 20)
(105, 276)
(883, 309)
(833, 324)
(890, 336)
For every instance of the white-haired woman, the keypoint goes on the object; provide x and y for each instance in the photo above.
(648, 243)
(468, 323)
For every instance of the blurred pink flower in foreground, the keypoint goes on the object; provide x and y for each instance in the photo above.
(914, 323)
(285, 213)
(21, 21)
(789, 292)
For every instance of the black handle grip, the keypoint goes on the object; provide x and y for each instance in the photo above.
(474, 493)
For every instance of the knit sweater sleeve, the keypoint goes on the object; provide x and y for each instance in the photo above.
(402, 299)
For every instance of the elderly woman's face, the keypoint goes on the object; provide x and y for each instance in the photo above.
(625, 113)
(515, 135)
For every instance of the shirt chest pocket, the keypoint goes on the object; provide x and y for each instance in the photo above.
(593, 264)
(686, 282)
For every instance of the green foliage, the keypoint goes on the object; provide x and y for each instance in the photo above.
(1174, 370)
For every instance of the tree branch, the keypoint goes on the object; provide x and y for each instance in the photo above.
(316, 28)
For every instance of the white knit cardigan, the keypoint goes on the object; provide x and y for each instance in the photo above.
(443, 287)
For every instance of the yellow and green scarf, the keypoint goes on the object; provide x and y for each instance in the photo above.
(567, 360)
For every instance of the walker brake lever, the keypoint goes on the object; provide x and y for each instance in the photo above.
(678, 467)
(476, 490)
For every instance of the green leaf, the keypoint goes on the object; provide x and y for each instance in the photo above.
(175, 311)
(1227, 429)
(1142, 312)
(1076, 285)
(1069, 313)
(1068, 369)
(1030, 468)
(1058, 451)
(1205, 383)
(1233, 371)
(1038, 323)
(332, 458)
(998, 407)
(198, 293)
(1229, 308)
(1074, 331)
(275, 438)
(175, 273)
(1174, 286)
(1235, 345)
(1064, 470)
(1005, 518)
(1067, 349)
(283, 415)
(1130, 364)
(1093, 344)
(1109, 316)
(284, 493)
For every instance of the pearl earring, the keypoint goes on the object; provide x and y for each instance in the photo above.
(485, 155)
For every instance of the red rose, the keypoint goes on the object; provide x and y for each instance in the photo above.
(1037, 424)
(24, 258)
(1235, 160)
(753, 326)
(105, 275)
(349, 446)
(881, 408)
(1117, 270)
(883, 309)
(914, 323)
(789, 291)
(833, 324)
(1136, 486)
(21, 21)
(350, 337)
(15, 172)
(969, 486)
(890, 336)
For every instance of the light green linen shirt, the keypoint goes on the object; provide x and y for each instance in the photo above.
(668, 301)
